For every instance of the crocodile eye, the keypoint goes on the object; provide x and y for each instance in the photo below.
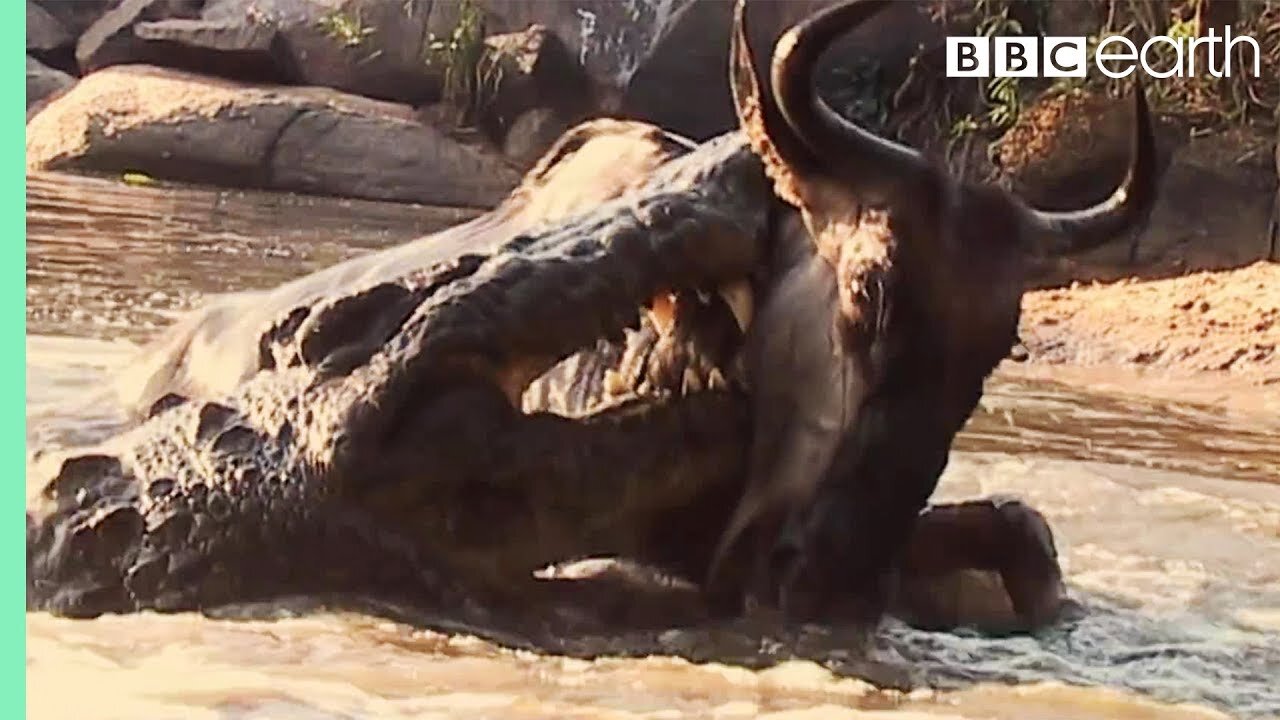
(168, 402)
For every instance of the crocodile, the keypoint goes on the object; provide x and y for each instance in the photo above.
(570, 375)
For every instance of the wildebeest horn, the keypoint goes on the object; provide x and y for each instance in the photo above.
(842, 148)
(822, 130)
(1127, 207)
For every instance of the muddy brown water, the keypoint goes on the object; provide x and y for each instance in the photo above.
(1167, 517)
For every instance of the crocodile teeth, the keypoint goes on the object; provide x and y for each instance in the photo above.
(662, 312)
(716, 380)
(614, 382)
(737, 295)
(691, 382)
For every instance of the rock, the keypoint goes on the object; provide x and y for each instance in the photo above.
(48, 40)
(606, 37)
(666, 61)
(378, 157)
(375, 48)
(187, 127)
(659, 60)
(1069, 150)
(43, 82)
(246, 51)
(1215, 197)
(77, 15)
(249, 52)
(531, 70)
(693, 52)
(531, 135)
(1074, 18)
(45, 33)
(110, 39)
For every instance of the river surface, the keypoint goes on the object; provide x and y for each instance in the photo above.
(1167, 516)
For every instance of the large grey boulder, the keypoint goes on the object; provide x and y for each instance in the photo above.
(305, 139)
(1069, 148)
(172, 33)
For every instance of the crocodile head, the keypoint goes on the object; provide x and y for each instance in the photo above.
(455, 423)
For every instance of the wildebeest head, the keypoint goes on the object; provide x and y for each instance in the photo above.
(924, 287)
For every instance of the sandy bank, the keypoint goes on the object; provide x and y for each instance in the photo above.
(1206, 337)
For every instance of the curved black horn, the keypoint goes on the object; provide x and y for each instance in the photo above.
(824, 132)
(1128, 206)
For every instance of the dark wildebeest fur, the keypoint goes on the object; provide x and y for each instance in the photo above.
(906, 300)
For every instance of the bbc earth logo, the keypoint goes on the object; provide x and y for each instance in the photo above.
(1116, 56)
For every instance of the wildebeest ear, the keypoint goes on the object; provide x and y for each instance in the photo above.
(760, 120)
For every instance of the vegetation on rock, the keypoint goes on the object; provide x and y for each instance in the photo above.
(471, 70)
(346, 29)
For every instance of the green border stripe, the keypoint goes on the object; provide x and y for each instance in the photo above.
(13, 362)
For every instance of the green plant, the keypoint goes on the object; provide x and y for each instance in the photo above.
(346, 30)
(1002, 95)
(964, 125)
(1000, 100)
(470, 70)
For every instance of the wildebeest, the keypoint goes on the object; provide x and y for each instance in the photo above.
(879, 330)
